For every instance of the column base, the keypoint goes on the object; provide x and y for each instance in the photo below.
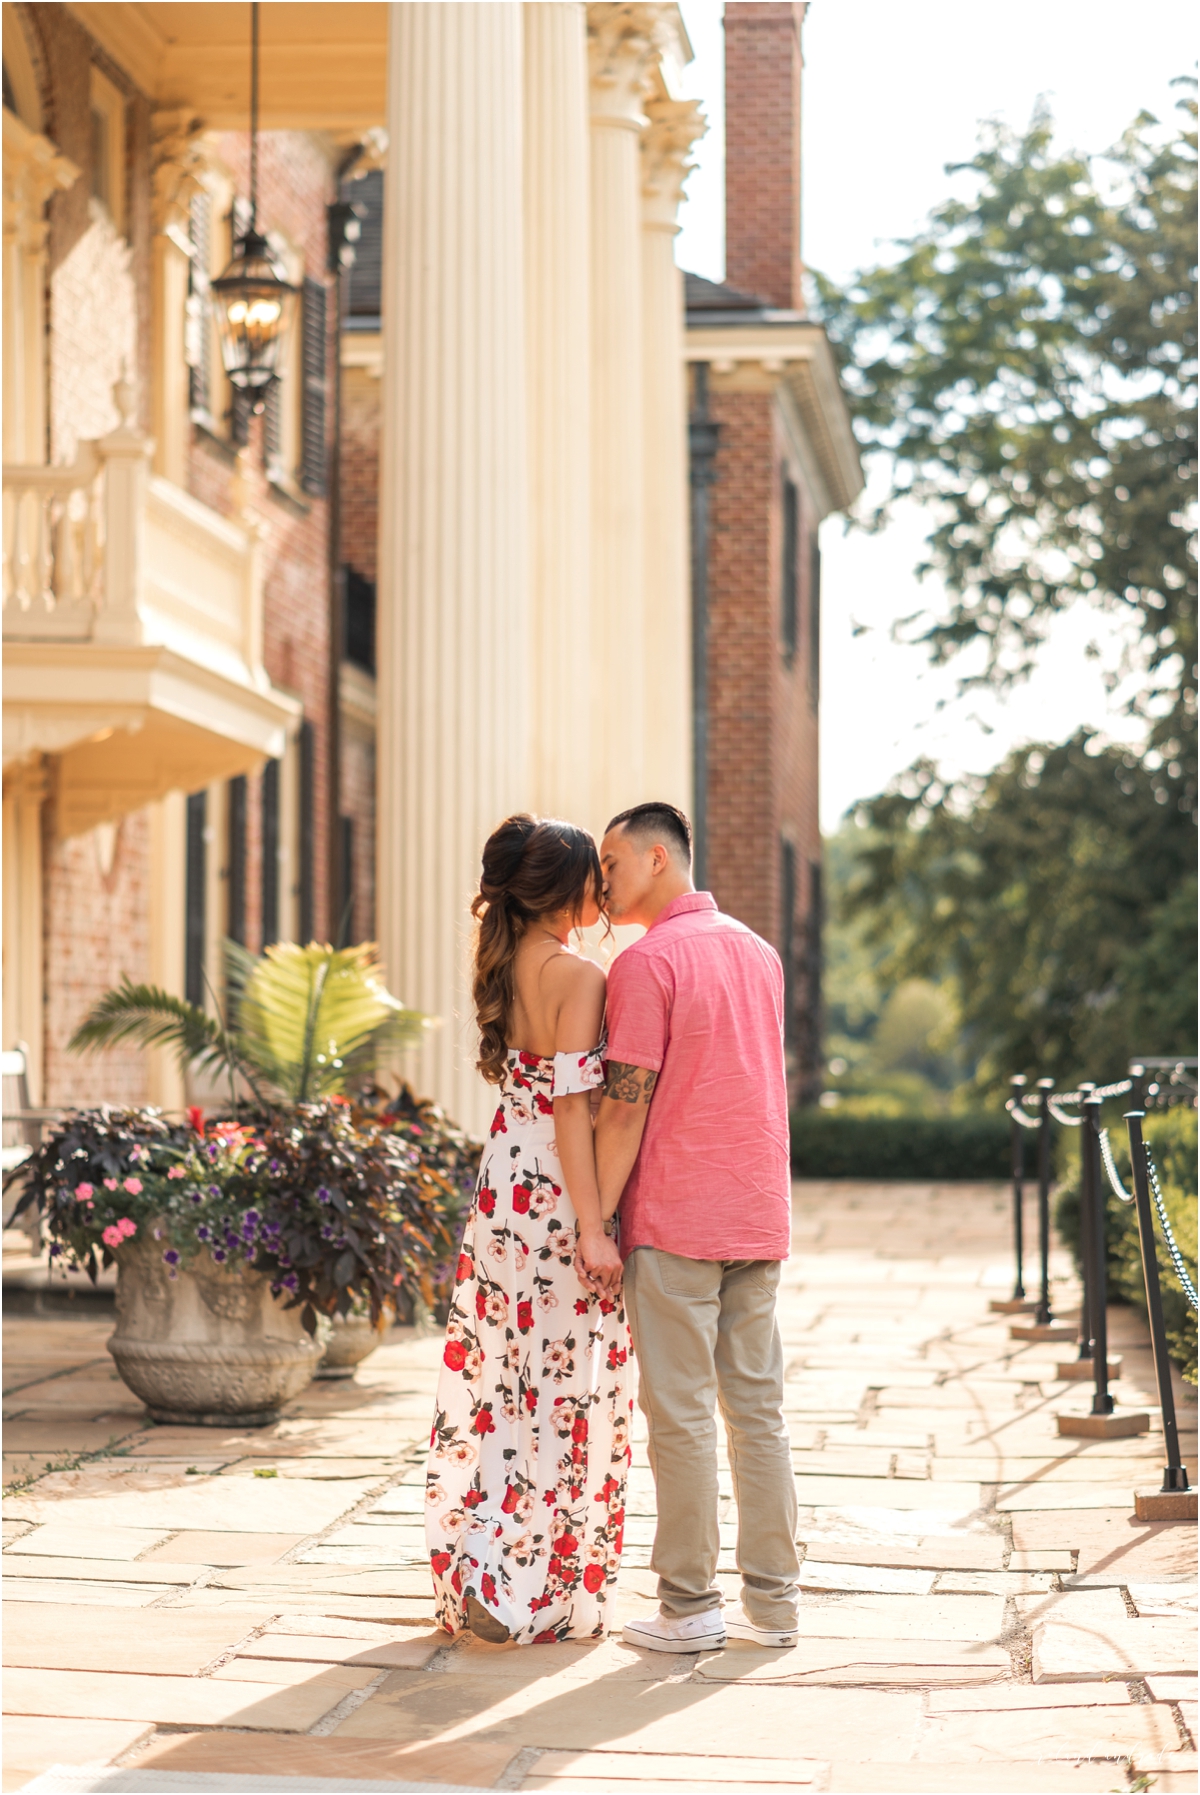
(1103, 1427)
(1165, 1505)
(1016, 1305)
(1074, 1370)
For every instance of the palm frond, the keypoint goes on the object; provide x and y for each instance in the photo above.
(154, 1018)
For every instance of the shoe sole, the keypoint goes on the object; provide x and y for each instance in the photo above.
(707, 1642)
(780, 1641)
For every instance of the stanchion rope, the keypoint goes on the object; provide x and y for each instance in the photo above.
(1181, 1270)
(1014, 1109)
(1110, 1166)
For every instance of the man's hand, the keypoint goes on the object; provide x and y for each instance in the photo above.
(598, 1263)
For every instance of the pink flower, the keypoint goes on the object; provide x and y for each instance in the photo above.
(126, 1227)
(84, 1193)
(110, 1184)
(174, 1172)
(112, 1237)
(133, 1186)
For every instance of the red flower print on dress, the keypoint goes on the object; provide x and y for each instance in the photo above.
(566, 1544)
(511, 1498)
(441, 1562)
(549, 1637)
(544, 1104)
(529, 1059)
(473, 1498)
(486, 1201)
(520, 1198)
(531, 1396)
(455, 1355)
(524, 1317)
(593, 1578)
(487, 1588)
(579, 1430)
(581, 1305)
(616, 1356)
(481, 1304)
(483, 1423)
(465, 1268)
(498, 1123)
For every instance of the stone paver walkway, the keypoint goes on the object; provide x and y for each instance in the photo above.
(210, 1607)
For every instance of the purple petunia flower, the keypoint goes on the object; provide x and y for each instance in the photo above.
(220, 1255)
(214, 1190)
(203, 1233)
(171, 1256)
(324, 1194)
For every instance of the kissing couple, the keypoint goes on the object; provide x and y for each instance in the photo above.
(637, 1166)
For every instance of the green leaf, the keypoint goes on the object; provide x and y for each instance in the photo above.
(154, 1018)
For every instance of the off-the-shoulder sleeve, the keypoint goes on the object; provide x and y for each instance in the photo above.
(578, 1071)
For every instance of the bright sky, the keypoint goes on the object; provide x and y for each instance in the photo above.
(891, 94)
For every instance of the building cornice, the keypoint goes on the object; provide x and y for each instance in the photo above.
(766, 353)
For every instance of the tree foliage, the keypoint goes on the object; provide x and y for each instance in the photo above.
(1056, 895)
(1028, 366)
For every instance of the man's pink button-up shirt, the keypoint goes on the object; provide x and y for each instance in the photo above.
(699, 1000)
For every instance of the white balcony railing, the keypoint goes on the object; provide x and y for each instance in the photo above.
(53, 548)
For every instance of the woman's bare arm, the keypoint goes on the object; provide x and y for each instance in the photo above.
(578, 987)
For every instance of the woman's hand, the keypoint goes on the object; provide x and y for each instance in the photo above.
(597, 1262)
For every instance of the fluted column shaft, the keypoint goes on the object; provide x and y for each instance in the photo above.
(453, 599)
(673, 127)
(558, 313)
(621, 47)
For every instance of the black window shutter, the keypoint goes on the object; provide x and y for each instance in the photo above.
(236, 923)
(200, 370)
(270, 853)
(814, 621)
(346, 896)
(790, 569)
(195, 892)
(787, 935)
(307, 831)
(315, 356)
(272, 426)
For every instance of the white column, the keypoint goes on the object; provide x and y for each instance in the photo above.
(454, 669)
(177, 158)
(674, 126)
(24, 953)
(33, 171)
(621, 48)
(562, 718)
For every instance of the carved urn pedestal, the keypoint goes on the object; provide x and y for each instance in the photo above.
(351, 1339)
(210, 1347)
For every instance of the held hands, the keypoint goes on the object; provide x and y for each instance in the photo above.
(598, 1263)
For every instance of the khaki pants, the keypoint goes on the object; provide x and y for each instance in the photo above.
(705, 1332)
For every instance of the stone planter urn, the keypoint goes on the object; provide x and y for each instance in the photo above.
(351, 1339)
(210, 1347)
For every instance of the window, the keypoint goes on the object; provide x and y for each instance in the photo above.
(814, 622)
(236, 849)
(359, 645)
(195, 898)
(788, 597)
(312, 427)
(108, 147)
(346, 895)
(270, 853)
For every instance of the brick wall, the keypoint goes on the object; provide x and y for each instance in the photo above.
(762, 149)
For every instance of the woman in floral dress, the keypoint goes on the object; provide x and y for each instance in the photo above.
(530, 1446)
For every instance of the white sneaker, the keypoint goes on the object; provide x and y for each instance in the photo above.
(666, 1633)
(739, 1626)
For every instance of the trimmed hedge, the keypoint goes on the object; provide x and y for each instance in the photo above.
(827, 1145)
(1171, 1135)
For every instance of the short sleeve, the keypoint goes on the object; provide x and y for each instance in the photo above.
(574, 1072)
(639, 1011)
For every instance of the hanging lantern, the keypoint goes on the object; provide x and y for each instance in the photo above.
(252, 299)
(253, 304)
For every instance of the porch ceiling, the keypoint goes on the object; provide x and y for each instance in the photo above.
(323, 67)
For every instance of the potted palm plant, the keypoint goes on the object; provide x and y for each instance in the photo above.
(231, 1237)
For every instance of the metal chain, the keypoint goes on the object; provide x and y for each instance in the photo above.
(1181, 1270)
(1110, 1166)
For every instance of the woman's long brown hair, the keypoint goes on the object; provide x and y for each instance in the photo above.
(532, 866)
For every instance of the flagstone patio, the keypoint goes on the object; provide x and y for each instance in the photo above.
(250, 1609)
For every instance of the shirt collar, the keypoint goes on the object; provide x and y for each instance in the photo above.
(680, 906)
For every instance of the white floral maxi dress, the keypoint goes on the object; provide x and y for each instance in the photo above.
(530, 1447)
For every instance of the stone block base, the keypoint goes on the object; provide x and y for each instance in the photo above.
(1048, 1330)
(1103, 1427)
(1016, 1305)
(1165, 1505)
(1081, 1370)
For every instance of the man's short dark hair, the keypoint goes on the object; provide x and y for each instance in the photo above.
(657, 823)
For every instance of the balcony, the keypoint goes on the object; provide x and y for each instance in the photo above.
(132, 634)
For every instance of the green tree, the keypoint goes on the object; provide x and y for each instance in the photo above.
(1027, 367)
(1055, 896)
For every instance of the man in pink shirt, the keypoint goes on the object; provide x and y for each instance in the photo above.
(692, 1142)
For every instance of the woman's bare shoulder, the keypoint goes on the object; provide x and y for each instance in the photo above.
(570, 974)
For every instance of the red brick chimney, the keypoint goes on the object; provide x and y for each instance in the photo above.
(762, 149)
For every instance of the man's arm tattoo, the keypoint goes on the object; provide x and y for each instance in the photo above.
(628, 1084)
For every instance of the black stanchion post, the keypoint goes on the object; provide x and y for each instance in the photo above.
(1093, 1197)
(1138, 1094)
(1175, 1475)
(1044, 1314)
(1018, 1177)
(1085, 1241)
